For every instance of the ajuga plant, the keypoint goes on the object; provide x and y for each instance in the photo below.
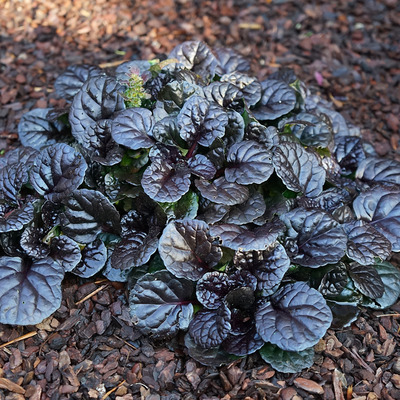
(247, 214)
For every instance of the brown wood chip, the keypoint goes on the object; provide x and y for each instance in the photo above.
(11, 386)
(308, 385)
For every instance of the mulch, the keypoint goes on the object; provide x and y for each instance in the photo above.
(347, 51)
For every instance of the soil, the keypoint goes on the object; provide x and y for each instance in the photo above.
(347, 51)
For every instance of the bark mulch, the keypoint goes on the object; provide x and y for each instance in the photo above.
(348, 51)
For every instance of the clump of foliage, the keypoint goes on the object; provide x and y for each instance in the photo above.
(247, 213)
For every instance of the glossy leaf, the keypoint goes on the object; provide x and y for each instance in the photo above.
(160, 304)
(86, 213)
(201, 121)
(67, 84)
(29, 293)
(32, 242)
(187, 249)
(349, 152)
(311, 130)
(65, 251)
(295, 318)
(134, 250)
(98, 99)
(245, 213)
(57, 171)
(209, 328)
(230, 61)
(278, 98)
(34, 129)
(365, 243)
(248, 85)
(132, 128)
(390, 276)
(268, 266)
(299, 169)
(248, 162)
(12, 178)
(379, 170)
(195, 56)
(94, 257)
(14, 219)
(242, 345)
(319, 238)
(163, 182)
(239, 238)
(367, 280)
(221, 191)
(223, 93)
(380, 207)
(288, 362)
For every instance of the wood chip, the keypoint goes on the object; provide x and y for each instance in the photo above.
(308, 385)
(11, 386)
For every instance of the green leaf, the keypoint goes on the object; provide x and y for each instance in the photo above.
(287, 361)
(390, 276)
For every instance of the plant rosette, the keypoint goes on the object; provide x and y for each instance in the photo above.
(248, 214)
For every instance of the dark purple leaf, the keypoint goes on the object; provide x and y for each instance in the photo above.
(166, 182)
(221, 191)
(32, 242)
(214, 357)
(329, 200)
(223, 93)
(29, 292)
(365, 243)
(278, 98)
(187, 249)
(295, 318)
(20, 156)
(201, 166)
(380, 207)
(132, 128)
(98, 99)
(35, 130)
(209, 328)
(334, 281)
(87, 213)
(104, 149)
(299, 169)
(268, 266)
(379, 170)
(246, 212)
(241, 345)
(248, 162)
(15, 219)
(248, 85)
(266, 135)
(349, 152)
(65, 251)
(134, 250)
(230, 61)
(94, 257)
(212, 212)
(12, 178)
(284, 74)
(320, 240)
(196, 56)
(160, 304)
(311, 130)
(67, 84)
(57, 172)
(211, 289)
(201, 121)
(166, 131)
(367, 280)
(239, 238)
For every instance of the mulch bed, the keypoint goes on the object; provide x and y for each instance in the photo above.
(348, 51)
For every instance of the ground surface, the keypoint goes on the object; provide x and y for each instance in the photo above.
(348, 51)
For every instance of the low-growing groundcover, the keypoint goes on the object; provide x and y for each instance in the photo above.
(247, 213)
